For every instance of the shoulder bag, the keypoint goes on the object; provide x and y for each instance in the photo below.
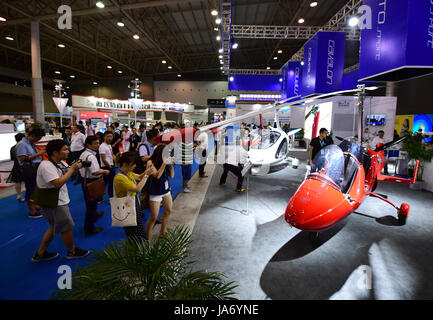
(95, 189)
(46, 197)
(123, 210)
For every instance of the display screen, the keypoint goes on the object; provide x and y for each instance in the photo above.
(376, 120)
(21, 126)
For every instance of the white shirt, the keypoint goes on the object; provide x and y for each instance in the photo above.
(89, 155)
(234, 154)
(375, 141)
(204, 140)
(78, 140)
(48, 172)
(108, 151)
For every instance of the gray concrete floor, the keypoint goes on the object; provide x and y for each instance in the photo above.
(270, 260)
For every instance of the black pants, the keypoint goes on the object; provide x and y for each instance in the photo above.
(91, 211)
(108, 179)
(236, 170)
(201, 166)
(216, 147)
(138, 232)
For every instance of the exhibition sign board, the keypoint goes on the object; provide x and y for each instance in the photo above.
(423, 122)
(247, 82)
(400, 43)
(93, 115)
(323, 63)
(404, 124)
(292, 79)
(114, 104)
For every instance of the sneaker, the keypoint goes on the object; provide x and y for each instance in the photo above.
(36, 215)
(45, 256)
(77, 254)
(187, 190)
(240, 190)
(204, 176)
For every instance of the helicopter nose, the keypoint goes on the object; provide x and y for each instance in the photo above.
(316, 206)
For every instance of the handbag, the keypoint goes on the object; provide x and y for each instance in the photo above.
(123, 211)
(95, 189)
(45, 198)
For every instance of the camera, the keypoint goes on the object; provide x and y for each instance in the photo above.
(86, 164)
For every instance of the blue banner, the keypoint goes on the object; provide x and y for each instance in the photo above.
(292, 79)
(400, 43)
(323, 63)
(244, 82)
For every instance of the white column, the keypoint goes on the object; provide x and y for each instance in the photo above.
(37, 88)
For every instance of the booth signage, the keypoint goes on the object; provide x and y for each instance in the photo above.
(246, 82)
(400, 44)
(93, 115)
(231, 103)
(292, 79)
(323, 63)
(98, 103)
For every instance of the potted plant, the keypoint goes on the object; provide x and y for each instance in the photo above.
(416, 150)
(142, 270)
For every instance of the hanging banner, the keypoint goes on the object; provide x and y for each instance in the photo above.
(323, 63)
(61, 104)
(399, 45)
(247, 82)
(294, 79)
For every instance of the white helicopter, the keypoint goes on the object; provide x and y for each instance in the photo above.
(269, 148)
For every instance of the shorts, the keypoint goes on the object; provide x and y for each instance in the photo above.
(159, 198)
(59, 218)
(187, 172)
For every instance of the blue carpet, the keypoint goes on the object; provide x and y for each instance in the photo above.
(20, 237)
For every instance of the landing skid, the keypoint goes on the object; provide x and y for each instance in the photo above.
(402, 212)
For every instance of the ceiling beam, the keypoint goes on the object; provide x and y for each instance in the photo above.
(91, 11)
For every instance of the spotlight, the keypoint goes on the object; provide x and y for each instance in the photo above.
(214, 13)
(301, 20)
(95, 83)
(179, 75)
(220, 50)
(218, 21)
(120, 71)
(109, 67)
(280, 51)
(2, 19)
(218, 38)
(216, 29)
(313, 4)
(170, 67)
(232, 79)
(57, 72)
(281, 79)
(120, 24)
(353, 22)
(61, 45)
(275, 58)
(10, 38)
(136, 36)
(220, 57)
(100, 5)
(164, 62)
(72, 76)
(235, 46)
(302, 63)
(268, 68)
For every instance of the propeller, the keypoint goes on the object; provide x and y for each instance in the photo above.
(390, 144)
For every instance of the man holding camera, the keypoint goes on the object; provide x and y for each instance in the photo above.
(91, 171)
(51, 179)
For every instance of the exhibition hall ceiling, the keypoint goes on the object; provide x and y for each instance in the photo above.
(183, 34)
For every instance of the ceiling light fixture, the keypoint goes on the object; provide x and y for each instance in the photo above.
(280, 51)
(235, 45)
(57, 72)
(109, 67)
(2, 19)
(268, 68)
(220, 50)
(136, 36)
(61, 45)
(301, 20)
(120, 71)
(218, 21)
(281, 79)
(100, 5)
(214, 13)
(170, 67)
(120, 24)
(302, 63)
(95, 83)
(216, 29)
(218, 38)
(179, 75)
(220, 56)
(72, 76)
(164, 62)
(353, 22)
(275, 58)
(232, 79)
(313, 4)
(10, 38)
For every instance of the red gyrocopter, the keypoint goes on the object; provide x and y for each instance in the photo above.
(342, 177)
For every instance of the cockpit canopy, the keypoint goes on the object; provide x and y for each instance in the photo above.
(263, 139)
